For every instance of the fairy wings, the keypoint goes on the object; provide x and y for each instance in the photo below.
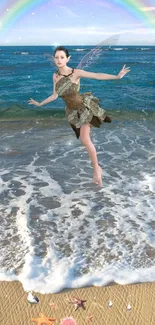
(94, 53)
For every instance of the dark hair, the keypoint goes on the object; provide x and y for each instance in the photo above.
(61, 48)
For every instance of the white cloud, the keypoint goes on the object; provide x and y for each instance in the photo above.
(128, 25)
(80, 35)
(85, 30)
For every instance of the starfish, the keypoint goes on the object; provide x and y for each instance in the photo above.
(53, 305)
(78, 303)
(90, 317)
(43, 320)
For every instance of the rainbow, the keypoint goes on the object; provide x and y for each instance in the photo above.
(13, 10)
(134, 6)
(17, 10)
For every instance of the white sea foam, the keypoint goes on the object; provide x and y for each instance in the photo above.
(118, 49)
(59, 230)
(80, 50)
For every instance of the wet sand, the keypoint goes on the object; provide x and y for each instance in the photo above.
(16, 310)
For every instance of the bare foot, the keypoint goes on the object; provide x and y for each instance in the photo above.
(98, 176)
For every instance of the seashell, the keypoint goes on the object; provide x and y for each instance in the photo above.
(32, 299)
(128, 307)
(110, 303)
(68, 321)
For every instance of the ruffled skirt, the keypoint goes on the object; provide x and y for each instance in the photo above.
(88, 112)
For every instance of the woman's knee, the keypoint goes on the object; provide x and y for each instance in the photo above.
(84, 140)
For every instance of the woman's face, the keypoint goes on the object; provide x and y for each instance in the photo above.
(60, 59)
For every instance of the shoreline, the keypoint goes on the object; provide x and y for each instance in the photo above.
(16, 310)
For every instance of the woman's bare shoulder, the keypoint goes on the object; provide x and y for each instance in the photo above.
(55, 76)
(76, 74)
(76, 71)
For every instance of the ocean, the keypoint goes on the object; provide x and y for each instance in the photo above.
(57, 228)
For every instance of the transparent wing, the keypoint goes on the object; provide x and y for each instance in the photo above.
(50, 58)
(94, 53)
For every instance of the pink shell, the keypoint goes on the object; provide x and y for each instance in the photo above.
(68, 321)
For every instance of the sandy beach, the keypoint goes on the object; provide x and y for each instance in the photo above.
(16, 310)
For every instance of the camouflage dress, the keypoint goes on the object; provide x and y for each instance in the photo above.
(80, 108)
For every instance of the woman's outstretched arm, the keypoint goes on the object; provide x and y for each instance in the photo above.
(102, 76)
(49, 99)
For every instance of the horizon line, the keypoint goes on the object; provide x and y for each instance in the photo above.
(76, 45)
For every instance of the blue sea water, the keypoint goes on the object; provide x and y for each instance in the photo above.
(58, 229)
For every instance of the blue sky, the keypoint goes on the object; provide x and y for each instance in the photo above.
(79, 23)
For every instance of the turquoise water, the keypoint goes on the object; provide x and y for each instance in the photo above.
(27, 72)
(57, 228)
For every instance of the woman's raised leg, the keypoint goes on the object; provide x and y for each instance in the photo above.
(86, 141)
